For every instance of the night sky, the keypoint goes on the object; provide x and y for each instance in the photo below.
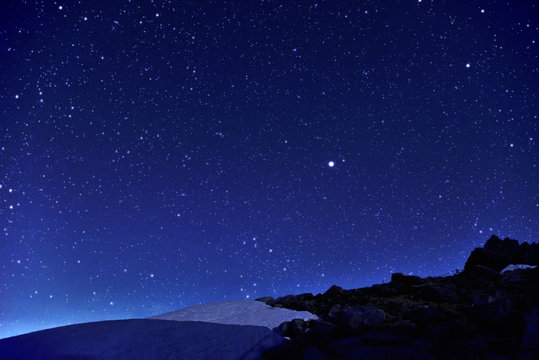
(156, 154)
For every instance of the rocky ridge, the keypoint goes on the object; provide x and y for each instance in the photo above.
(475, 314)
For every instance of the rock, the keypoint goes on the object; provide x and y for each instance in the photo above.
(399, 279)
(437, 293)
(343, 347)
(530, 337)
(449, 328)
(321, 329)
(355, 318)
(404, 326)
(519, 278)
(302, 302)
(286, 350)
(472, 347)
(480, 273)
(334, 310)
(424, 314)
(383, 337)
(384, 290)
(498, 254)
(482, 299)
(334, 290)
(479, 313)
(354, 348)
(312, 353)
(266, 299)
(495, 312)
(294, 328)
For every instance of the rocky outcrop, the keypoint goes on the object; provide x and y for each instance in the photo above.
(475, 314)
(354, 318)
(498, 254)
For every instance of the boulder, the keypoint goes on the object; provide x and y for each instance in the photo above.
(437, 293)
(479, 313)
(266, 299)
(530, 337)
(293, 328)
(399, 279)
(312, 353)
(495, 312)
(515, 278)
(321, 329)
(425, 314)
(357, 318)
(498, 254)
(295, 302)
(344, 347)
(404, 326)
(482, 299)
(480, 273)
(384, 337)
(355, 348)
(334, 290)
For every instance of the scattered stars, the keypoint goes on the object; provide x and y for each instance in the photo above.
(166, 149)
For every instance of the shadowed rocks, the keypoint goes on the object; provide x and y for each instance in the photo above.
(475, 314)
(497, 254)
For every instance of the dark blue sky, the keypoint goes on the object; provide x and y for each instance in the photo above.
(156, 155)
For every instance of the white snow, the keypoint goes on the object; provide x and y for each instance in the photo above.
(237, 312)
(517, 266)
(141, 339)
(224, 330)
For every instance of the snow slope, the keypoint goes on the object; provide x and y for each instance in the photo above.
(238, 312)
(141, 339)
(226, 330)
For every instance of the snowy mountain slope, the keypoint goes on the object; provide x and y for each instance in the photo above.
(224, 330)
(141, 339)
(239, 312)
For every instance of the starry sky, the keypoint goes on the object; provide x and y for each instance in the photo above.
(160, 154)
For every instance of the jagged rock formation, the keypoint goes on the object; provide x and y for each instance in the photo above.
(497, 254)
(478, 313)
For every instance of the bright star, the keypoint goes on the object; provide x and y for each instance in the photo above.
(331, 164)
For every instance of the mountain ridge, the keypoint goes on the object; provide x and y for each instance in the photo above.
(473, 314)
